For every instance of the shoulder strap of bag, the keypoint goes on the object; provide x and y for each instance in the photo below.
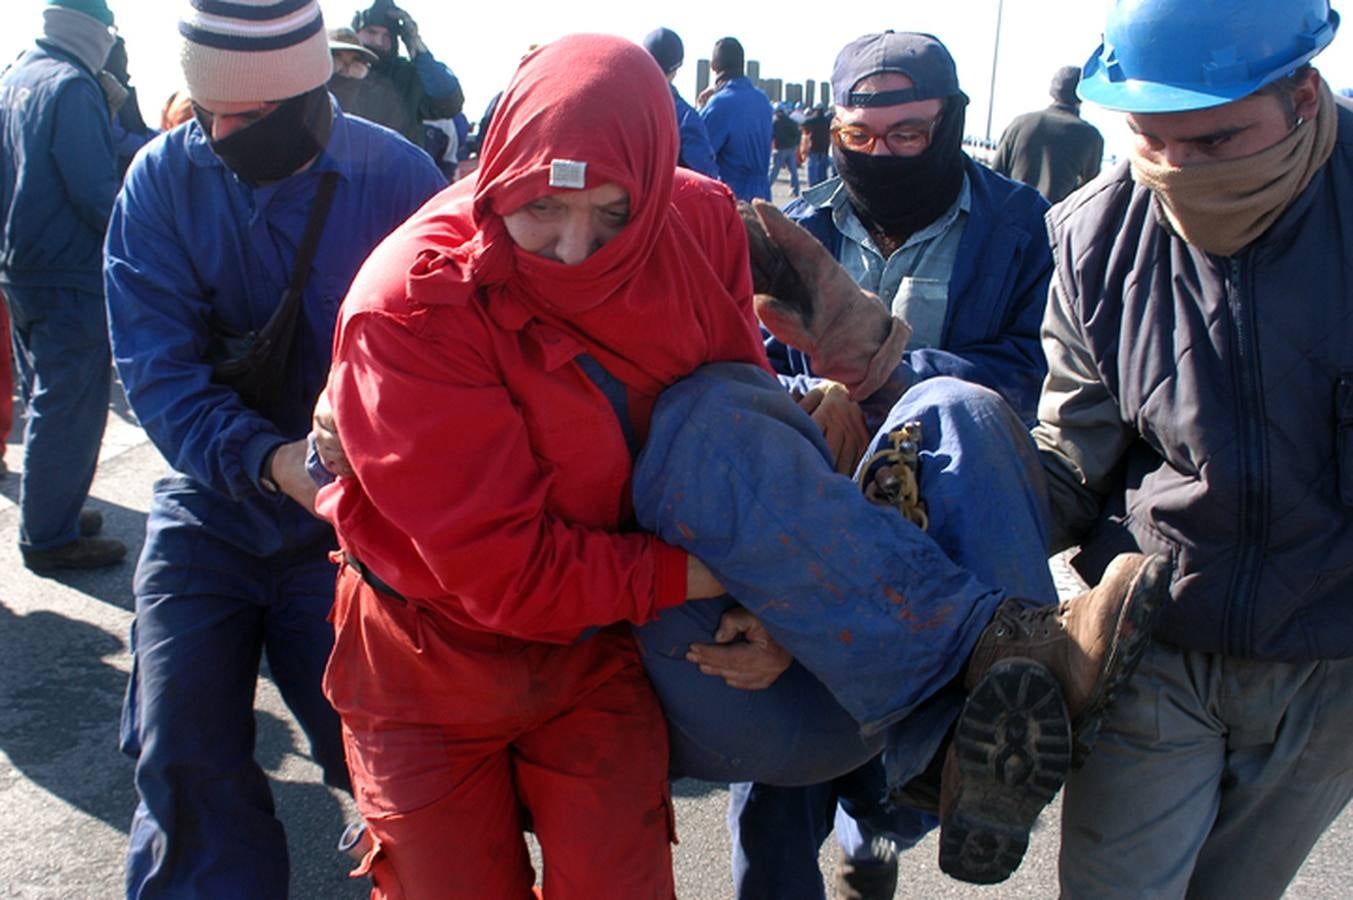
(314, 227)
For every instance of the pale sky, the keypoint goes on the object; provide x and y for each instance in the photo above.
(482, 42)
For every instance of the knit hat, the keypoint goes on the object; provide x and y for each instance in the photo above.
(96, 8)
(1064, 82)
(248, 51)
(664, 45)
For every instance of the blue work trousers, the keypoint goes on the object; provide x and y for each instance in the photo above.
(61, 359)
(819, 168)
(976, 468)
(880, 616)
(206, 610)
(785, 159)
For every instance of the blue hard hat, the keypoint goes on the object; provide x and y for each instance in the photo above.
(1177, 55)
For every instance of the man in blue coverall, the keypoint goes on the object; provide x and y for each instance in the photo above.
(665, 46)
(961, 254)
(58, 176)
(204, 239)
(738, 118)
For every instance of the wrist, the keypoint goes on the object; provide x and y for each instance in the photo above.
(265, 475)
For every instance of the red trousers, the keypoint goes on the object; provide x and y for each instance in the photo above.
(458, 740)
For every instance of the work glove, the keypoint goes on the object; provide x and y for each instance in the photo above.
(405, 27)
(809, 302)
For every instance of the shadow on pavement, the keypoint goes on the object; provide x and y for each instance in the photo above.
(59, 708)
(691, 787)
(314, 819)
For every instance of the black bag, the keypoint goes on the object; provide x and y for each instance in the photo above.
(255, 364)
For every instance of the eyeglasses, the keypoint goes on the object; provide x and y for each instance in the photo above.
(904, 140)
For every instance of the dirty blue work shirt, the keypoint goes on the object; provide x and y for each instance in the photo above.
(914, 280)
(997, 259)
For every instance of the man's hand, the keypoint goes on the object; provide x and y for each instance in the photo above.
(751, 664)
(408, 31)
(841, 421)
(848, 335)
(286, 468)
(324, 430)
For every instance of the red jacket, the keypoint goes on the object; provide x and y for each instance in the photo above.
(492, 475)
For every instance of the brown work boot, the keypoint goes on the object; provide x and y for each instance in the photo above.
(1091, 643)
(81, 553)
(1010, 753)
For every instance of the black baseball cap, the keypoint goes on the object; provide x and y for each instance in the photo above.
(920, 57)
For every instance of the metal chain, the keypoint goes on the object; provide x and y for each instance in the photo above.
(889, 477)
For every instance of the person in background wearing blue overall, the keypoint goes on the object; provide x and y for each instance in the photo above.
(665, 46)
(961, 254)
(785, 137)
(58, 177)
(738, 118)
(203, 241)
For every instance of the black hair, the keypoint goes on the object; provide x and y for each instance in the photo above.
(1285, 89)
(727, 59)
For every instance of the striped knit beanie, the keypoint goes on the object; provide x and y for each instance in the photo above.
(247, 51)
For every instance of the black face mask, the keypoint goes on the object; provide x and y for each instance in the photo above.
(900, 195)
(278, 144)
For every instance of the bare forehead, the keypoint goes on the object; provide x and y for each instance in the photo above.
(1244, 112)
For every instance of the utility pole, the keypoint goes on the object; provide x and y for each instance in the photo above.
(995, 55)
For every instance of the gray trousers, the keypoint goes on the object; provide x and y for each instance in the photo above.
(1214, 777)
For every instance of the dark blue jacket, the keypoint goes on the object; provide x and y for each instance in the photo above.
(1208, 402)
(738, 118)
(188, 240)
(997, 293)
(696, 153)
(58, 172)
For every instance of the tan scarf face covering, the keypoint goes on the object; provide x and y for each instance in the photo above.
(1223, 207)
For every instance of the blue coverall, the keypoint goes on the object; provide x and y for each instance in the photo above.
(738, 119)
(229, 569)
(880, 617)
(58, 177)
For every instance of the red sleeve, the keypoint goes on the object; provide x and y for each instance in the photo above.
(711, 211)
(444, 464)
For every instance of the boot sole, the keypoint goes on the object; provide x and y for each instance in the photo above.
(1013, 745)
(1136, 622)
